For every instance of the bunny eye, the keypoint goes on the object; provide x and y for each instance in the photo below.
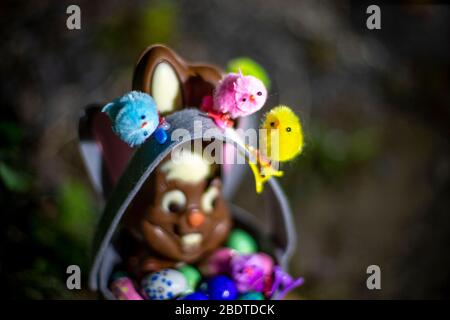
(173, 201)
(288, 129)
(143, 117)
(209, 199)
(259, 93)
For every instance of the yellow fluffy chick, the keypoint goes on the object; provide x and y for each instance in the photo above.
(283, 140)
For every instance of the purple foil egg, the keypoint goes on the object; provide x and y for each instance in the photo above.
(252, 272)
(219, 262)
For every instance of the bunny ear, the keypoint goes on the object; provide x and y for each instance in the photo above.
(166, 88)
(171, 81)
(159, 73)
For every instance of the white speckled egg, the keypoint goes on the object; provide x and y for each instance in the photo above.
(164, 284)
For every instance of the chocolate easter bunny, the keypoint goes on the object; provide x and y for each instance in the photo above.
(180, 214)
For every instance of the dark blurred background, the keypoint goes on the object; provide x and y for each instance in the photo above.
(373, 183)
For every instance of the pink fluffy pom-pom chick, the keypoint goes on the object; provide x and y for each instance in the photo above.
(235, 96)
(239, 95)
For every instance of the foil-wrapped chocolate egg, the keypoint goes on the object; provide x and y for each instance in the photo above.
(222, 288)
(242, 242)
(123, 289)
(163, 285)
(196, 296)
(252, 272)
(192, 276)
(252, 295)
(219, 262)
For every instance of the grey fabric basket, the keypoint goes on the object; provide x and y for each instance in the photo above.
(280, 235)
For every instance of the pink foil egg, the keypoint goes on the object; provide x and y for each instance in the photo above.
(123, 289)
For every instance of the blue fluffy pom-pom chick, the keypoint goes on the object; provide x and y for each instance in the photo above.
(134, 118)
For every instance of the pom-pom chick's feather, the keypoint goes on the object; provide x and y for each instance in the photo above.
(239, 95)
(283, 138)
(134, 117)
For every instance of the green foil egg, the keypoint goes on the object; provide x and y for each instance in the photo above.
(252, 295)
(192, 276)
(242, 242)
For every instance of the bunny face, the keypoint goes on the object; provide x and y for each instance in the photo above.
(182, 228)
(183, 214)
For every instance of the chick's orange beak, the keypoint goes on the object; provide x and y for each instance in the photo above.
(274, 124)
(143, 124)
(252, 98)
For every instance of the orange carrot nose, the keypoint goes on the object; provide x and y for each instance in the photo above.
(252, 97)
(196, 218)
(144, 124)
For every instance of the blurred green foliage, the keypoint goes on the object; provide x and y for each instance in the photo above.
(11, 133)
(56, 233)
(13, 179)
(12, 175)
(41, 281)
(136, 28)
(45, 231)
(331, 154)
(157, 23)
(75, 207)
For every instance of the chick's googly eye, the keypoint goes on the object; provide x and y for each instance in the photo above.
(259, 93)
(288, 129)
(209, 199)
(143, 117)
(173, 201)
(145, 133)
(244, 99)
